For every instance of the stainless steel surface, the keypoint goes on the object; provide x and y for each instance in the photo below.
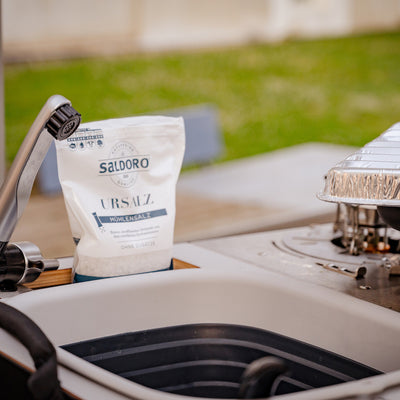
(295, 252)
(357, 273)
(371, 175)
(17, 187)
(392, 264)
(35, 263)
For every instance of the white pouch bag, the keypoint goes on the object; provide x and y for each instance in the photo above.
(118, 178)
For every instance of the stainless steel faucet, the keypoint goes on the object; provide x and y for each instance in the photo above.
(56, 119)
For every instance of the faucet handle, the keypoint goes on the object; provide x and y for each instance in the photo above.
(22, 262)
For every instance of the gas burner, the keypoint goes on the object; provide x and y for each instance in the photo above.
(359, 228)
(366, 187)
(326, 245)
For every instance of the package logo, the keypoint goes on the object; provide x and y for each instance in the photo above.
(123, 164)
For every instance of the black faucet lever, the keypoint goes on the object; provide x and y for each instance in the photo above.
(259, 378)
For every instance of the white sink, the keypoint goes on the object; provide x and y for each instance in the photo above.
(224, 291)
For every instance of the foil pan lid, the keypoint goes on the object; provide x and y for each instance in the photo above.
(371, 175)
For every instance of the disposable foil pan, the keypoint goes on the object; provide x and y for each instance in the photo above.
(370, 176)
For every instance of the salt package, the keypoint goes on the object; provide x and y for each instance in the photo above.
(118, 178)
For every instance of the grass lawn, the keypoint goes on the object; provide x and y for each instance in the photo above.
(343, 90)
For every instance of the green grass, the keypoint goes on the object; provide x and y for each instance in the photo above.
(269, 96)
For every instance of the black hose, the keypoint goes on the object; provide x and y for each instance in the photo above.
(43, 384)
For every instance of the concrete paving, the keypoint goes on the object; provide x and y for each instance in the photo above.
(281, 185)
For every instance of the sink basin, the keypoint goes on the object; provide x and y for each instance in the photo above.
(224, 299)
(208, 360)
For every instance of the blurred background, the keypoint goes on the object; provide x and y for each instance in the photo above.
(278, 73)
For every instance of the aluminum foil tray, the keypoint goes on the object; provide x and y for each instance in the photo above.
(370, 176)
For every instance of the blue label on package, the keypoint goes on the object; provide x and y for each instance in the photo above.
(116, 219)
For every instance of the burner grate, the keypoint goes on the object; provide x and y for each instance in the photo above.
(359, 228)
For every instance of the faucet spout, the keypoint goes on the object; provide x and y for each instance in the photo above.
(58, 119)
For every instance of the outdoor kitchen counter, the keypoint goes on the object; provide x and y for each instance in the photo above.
(267, 250)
